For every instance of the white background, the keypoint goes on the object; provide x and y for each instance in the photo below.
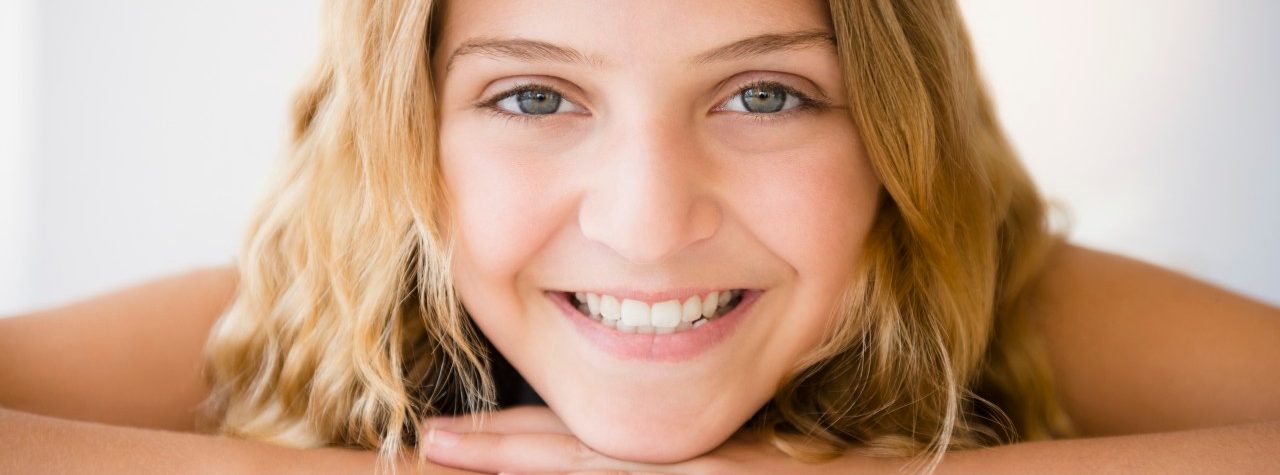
(136, 136)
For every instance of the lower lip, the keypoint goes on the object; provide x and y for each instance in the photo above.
(669, 347)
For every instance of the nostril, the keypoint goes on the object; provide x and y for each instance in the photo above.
(647, 220)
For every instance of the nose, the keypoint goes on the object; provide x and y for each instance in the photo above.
(653, 196)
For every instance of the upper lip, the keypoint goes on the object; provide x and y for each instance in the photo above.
(654, 296)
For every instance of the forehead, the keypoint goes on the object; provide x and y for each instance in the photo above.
(613, 32)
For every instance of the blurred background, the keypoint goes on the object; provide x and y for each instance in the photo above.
(137, 135)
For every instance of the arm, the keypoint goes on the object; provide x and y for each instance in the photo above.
(130, 357)
(1136, 348)
(1246, 448)
(534, 440)
(1167, 374)
(71, 377)
(40, 444)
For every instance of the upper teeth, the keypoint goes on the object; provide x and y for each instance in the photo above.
(663, 317)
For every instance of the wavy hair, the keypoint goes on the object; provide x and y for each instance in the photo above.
(346, 330)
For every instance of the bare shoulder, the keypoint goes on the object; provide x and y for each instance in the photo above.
(128, 357)
(1139, 348)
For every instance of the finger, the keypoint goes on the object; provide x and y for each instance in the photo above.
(517, 420)
(595, 472)
(614, 472)
(519, 453)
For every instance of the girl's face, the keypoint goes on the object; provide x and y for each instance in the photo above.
(646, 154)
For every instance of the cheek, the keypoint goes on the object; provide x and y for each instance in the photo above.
(814, 206)
(502, 212)
(807, 190)
(503, 209)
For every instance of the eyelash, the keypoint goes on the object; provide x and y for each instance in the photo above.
(491, 105)
(807, 104)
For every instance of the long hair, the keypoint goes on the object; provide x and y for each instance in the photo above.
(346, 330)
(935, 347)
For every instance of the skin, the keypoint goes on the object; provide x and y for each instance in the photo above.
(647, 181)
(1160, 372)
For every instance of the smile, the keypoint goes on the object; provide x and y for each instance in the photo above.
(659, 331)
(669, 316)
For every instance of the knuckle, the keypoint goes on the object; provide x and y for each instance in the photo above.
(577, 451)
(524, 415)
(517, 411)
(712, 464)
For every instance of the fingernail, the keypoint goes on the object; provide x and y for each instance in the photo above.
(441, 438)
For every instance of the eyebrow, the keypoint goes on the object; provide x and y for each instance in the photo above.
(767, 43)
(519, 49)
(527, 50)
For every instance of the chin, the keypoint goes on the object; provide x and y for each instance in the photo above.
(658, 440)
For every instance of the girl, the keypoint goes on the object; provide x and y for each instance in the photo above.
(714, 236)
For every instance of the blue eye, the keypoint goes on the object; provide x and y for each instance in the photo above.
(533, 100)
(767, 98)
(759, 100)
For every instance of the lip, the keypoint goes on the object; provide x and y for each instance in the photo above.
(651, 298)
(671, 347)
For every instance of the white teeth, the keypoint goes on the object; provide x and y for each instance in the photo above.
(665, 314)
(635, 313)
(709, 304)
(692, 309)
(609, 308)
(634, 316)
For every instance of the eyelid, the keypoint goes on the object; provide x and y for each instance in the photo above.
(490, 103)
(808, 102)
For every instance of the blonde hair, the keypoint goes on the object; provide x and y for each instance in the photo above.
(346, 329)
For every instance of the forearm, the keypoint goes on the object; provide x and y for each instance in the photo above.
(1250, 448)
(32, 443)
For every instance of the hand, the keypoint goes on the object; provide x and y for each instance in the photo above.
(532, 439)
